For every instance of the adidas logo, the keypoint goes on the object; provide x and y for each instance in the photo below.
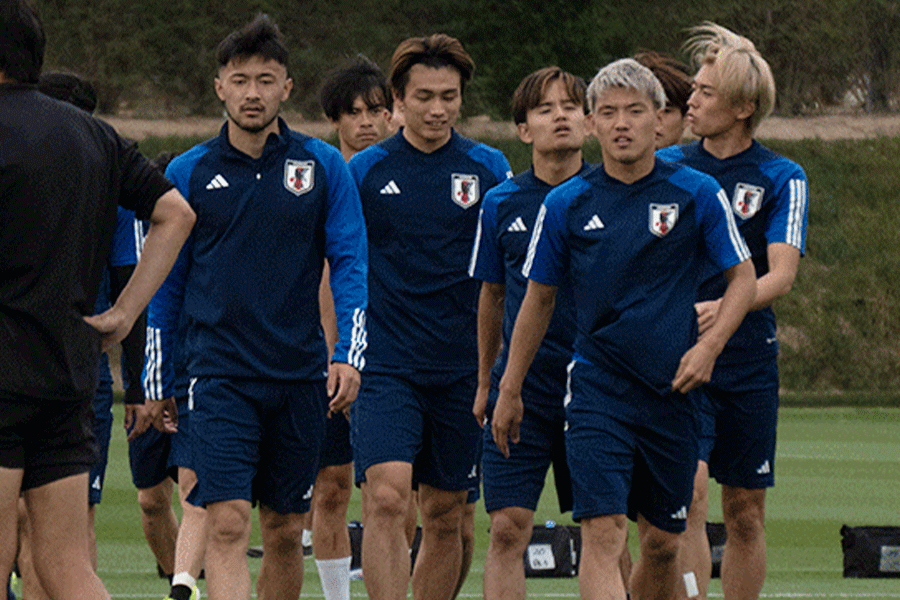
(681, 515)
(474, 472)
(96, 485)
(517, 226)
(594, 224)
(218, 182)
(390, 189)
(308, 493)
(765, 469)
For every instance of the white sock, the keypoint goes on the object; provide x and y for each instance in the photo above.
(184, 578)
(335, 577)
(306, 538)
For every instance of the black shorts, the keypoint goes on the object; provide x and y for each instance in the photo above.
(48, 439)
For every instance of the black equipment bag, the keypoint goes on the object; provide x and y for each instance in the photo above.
(871, 551)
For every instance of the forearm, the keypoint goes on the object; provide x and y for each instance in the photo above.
(490, 329)
(737, 301)
(171, 224)
(528, 333)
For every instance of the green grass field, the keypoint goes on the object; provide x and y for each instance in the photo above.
(835, 466)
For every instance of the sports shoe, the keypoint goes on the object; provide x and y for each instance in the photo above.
(195, 594)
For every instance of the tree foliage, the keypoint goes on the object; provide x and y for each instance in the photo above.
(821, 51)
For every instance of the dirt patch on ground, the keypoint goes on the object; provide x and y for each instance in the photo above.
(830, 127)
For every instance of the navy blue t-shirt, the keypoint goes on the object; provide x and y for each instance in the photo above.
(508, 214)
(421, 213)
(246, 282)
(634, 253)
(768, 196)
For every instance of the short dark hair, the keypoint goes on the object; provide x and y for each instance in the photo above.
(260, 37)
(672, 74)
(357, 77)
(22, 43)
(70, 88)
(435, 51)
(531, 89)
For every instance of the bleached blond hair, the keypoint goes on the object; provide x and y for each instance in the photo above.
(626, 73)
(743, 74)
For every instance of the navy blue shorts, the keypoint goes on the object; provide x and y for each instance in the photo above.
(257, 441)
(738, 423)
(48, 439)
(630, 450)
(155, 455)
(427, 423)
(103, 419)
(519, 479)
(336, 450)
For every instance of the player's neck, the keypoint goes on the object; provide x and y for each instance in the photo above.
(555, 167)
(251, 143)
(347, 152)
(730, 142)
(631, 171)
(424, 144)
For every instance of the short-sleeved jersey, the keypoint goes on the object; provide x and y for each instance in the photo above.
(421, 213)
(634, 253)
(247, 279)
(62, 174)
(769, 198)
(125, 251)
(508, 215)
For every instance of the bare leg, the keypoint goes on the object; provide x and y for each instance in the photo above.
(331, 541)
(281, 571)
(57, 513)
(694, 556)
(626, 566)
(744, 559)
(31, 585)
(602, 541)
(330, 500)
(654, 576)
(10, 484)
(440, 554)
(412, 518)
(504, 573)
(160, 523)
(227, 572)
(468, 546)
(385, 551)
(191, 545)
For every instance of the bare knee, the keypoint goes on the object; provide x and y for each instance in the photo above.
(386, 502)
(660, 548)
(156, 500)
(229, 522)
(744, 513)
(510, 532)
(442, 513)
(281, 534)
(332, 491)
(605, 536)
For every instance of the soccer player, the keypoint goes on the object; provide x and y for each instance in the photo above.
(549, 110)
(62, 175)
(676, 81)
(357, 101)
(733, 92)
(420, 191)
(272, 205)
(631, 236)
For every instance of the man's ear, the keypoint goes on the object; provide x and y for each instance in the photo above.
(524, 133)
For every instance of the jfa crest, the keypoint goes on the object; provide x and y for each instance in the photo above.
(747, 200)
(663, 218)
(465, 190)
(298, 175)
